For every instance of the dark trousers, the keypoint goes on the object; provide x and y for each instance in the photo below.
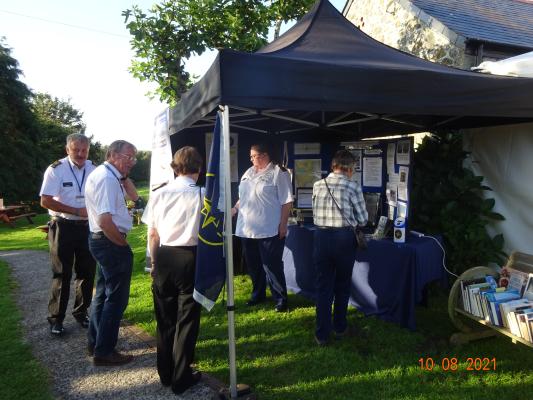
(115, 265)
(177, 314)
(264, 262)
(333, 258)
(68, 250)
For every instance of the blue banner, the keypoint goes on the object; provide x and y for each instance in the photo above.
(210, 262)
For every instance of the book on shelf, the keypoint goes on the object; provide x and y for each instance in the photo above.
(528, 291)
(495, 299)
(517, 279)
(512, 318)
(509, 306)
(530, 329)
(523, 321)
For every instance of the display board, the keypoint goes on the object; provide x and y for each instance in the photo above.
(383, 168)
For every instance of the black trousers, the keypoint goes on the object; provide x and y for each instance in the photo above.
(177, 314)
(69, 249)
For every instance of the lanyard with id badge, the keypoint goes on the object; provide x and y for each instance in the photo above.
(80, 198)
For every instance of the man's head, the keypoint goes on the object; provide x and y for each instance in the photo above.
(187, 161)
(77, 148)
(343, 162)
(121, 155)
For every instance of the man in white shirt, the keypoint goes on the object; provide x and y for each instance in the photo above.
(109, 222)
(62, 193)
(173, 219)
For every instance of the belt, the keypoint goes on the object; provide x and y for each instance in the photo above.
(62, 220)
(333, 228)
(100, 235)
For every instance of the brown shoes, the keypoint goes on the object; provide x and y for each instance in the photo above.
(113, 359)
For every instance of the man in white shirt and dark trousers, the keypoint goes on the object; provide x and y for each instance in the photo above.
(173, 219)
(62, 193)
(109, 222)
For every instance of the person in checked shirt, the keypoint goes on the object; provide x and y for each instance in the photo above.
(338, 207)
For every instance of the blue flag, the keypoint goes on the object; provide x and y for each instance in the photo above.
(210, 262)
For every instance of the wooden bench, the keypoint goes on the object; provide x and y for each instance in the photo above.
(28, 216)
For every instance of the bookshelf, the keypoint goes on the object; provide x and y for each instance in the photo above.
(459, 338)
(472, 327)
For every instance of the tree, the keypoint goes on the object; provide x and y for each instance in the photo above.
(19, 175)
(176, 29)
(56, 119)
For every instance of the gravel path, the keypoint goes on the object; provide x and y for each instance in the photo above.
(71, 370)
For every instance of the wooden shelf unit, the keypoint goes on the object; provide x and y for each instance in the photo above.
(519, 261)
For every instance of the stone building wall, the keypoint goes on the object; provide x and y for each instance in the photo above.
(400, 24)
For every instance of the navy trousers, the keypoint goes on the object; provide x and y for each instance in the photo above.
(264, 262)
(333, 258)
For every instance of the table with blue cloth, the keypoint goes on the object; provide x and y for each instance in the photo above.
(388, 278)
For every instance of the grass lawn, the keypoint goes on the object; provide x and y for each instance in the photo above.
(277, 356)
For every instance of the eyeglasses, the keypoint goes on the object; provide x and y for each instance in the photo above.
(129, 158)
(254, 156)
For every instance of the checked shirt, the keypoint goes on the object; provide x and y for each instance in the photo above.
(349, 197)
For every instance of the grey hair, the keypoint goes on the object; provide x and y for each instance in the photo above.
(117, 146)
(77, 137)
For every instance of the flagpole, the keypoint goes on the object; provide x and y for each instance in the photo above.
(229, 254)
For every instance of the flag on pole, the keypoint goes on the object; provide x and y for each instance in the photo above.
(210, 262)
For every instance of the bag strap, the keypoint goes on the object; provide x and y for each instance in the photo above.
(337, 204)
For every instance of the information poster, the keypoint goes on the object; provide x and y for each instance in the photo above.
(307, 171)
(372, 171)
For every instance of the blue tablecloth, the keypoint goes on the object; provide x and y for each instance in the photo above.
(388, 278)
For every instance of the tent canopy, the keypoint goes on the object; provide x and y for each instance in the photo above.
(325, 74)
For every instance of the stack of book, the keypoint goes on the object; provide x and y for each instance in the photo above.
(508, 307)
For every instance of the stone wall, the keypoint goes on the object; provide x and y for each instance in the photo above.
(400, 24)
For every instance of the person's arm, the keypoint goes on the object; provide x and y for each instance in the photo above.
(285, 211)
(51, 204)
(130, 189)
(235, 209)
(359, 207)
(110, 229)
(153, 244)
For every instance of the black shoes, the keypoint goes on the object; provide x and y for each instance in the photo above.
(57, 329)
(113, 359)
(196, 377)
(84, 322)
(254, 302)
(281, 307)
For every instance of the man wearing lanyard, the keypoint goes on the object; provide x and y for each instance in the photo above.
(62, 194)
(109, 223)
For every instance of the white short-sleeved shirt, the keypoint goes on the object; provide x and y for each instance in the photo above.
(174, 211)
(261, 195)
(104, 194)
(65, 182)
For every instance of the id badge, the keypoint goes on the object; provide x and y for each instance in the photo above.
(80, 200)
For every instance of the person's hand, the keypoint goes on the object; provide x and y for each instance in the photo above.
(152, 271)
(233, 211)
(82, 212)
(282, 231)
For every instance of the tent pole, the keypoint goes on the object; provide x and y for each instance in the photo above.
(229, 254)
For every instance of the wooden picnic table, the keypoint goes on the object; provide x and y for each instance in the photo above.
(9, 214)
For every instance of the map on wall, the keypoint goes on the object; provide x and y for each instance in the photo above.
(307, 172)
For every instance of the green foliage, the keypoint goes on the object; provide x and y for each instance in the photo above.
(18, 133)
(171, 32)
(447, 199)
(33, 131)
(141, 170)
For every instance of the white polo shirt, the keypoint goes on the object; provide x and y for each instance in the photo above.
(174, 211)
(65, 182)
(261, 195)
(104, 194)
